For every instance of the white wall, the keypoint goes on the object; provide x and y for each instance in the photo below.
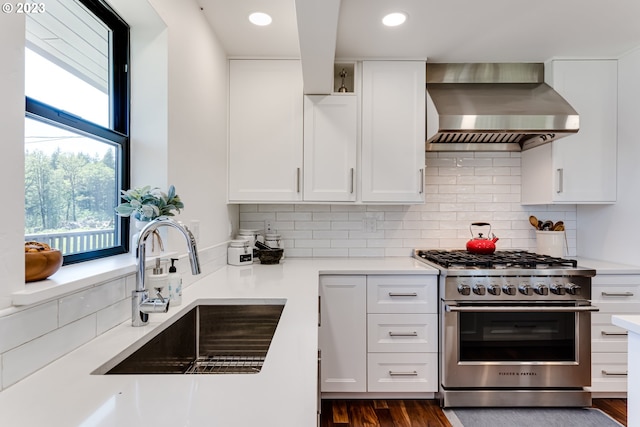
(178, 135)
(197, 119)
(461, 188)
(179, 113)
(12, 27)
(612, 232)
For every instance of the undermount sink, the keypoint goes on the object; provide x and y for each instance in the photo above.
(220, 338)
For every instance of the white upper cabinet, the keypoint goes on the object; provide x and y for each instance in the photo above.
(265, 130)
(330, 148)
(393, 131)
(288, 147)
(580, 168)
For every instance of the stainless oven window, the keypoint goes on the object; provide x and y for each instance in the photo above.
(517, 336)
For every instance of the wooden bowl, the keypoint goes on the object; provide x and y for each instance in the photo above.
(42, 264)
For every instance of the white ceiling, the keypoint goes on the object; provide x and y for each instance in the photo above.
(440, 30)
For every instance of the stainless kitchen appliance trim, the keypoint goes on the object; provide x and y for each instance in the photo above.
(493, 107)
(512, 287)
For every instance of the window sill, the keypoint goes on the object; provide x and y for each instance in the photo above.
(75, 277)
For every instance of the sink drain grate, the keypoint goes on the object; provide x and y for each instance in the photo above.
(226, 365)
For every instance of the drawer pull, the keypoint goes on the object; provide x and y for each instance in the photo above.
(403, 334)
(403, 374)
(606, 334)
(617, 294)
(619, 374)
(403, 294)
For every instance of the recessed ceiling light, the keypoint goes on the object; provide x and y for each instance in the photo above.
(394, 19)
(259, 18)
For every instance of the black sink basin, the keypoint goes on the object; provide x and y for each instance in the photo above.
(208, 339)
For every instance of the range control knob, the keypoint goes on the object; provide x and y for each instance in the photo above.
(558, 289)
(479, 289)
(509, 289)
(541, 289)
(525, 289)
(494, 289)
(464, 289)
(573, 289)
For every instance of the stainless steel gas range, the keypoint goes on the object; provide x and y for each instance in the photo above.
(515, 329)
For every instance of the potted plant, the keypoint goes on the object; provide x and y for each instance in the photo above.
(145, 204)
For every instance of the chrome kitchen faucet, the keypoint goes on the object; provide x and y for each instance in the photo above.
(141, 303)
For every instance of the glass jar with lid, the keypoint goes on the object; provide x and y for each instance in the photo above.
(274, 241)
(239, 252)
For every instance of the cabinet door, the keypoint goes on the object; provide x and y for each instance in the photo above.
(393, 131)
(343, 333)
(579, 168)
(265, 130)
(587, 160)
(330, 141)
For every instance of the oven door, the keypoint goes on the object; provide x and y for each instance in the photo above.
(516, 345)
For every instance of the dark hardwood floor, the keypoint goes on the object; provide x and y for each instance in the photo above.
(417, 413)
(615, 408)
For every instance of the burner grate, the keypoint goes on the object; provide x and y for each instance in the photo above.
(497, 260)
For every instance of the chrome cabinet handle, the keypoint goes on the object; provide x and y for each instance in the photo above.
(560, 173)
(403, 374)
(607, 334)
(297, 180)
(319, 310)
(617, 294)
(524, 309)
(403, 334)
(621, 374)
(403, 294)
(351, 186)
(421, 181)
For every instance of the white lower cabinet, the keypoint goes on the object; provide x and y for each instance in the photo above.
(379, 333)
(613, 294)
(341, 333)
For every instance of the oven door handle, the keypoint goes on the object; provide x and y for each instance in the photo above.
(523, 309)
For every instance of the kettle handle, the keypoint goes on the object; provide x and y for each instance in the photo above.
(480, 224)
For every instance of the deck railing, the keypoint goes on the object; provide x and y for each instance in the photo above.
(73, 242)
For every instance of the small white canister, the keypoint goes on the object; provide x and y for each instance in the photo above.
(239, 252)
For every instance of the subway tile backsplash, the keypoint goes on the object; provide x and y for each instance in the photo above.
(31, 337)
(461, 188)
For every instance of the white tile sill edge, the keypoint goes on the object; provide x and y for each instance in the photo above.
(75, 277)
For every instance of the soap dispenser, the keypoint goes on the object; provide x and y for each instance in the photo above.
(157, 280)
(175, 284)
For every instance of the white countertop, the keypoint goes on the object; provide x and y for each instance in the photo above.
(283, 394)
(629, 322)
(606, 267)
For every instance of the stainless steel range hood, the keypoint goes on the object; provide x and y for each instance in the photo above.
(494, 107)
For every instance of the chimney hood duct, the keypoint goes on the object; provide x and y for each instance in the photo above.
(494, 107)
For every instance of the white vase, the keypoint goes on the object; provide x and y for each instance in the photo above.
(154, 245)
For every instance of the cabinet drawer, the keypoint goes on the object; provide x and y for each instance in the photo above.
(397, 333)
(616, 293)
(403, 372)
(610, 337)
(608, 372)
(402, 294)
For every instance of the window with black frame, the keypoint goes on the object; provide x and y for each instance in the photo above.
(76, 128)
